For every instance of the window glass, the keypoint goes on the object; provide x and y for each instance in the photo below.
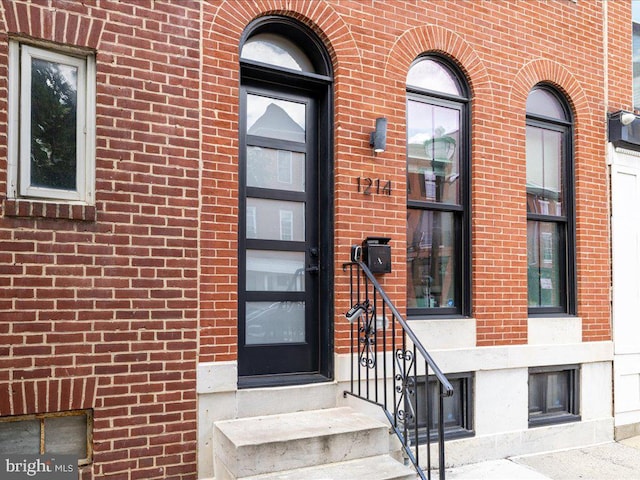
(545, 267)
(275, 169)
(457, 408)
(267, 218)
(432, 275)
(542, 102)
(272, 270)
(545, 175)
(433, 136)
(278, 119)
(274, 322)
(432, 75)
(277, 51)
(553, 395)
(54, 100)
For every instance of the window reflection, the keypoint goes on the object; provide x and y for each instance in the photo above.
(433, 157)
(544, 103)
(431, 260)
(275, 169)
(273, 118)
(554, 395)
(431, 75)
(275, 271)
(277, 51)
(544, 171)
(54, 104)
(274, 322)
(268, 217)
(543, 255)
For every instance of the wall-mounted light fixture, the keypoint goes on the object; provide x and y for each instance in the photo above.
(627, 118)
(624, 130)
(378, 138)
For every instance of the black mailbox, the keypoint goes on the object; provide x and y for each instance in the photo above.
(376, 254)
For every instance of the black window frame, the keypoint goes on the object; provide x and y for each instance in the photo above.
(463, 392)
(572, 413)
(566, 222)
(462, 211)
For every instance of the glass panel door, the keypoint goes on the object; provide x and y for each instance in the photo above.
(278, 321)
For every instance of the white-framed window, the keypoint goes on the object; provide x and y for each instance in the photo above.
(285, 164)
(286, 225)
(252, 223)
(51, 147)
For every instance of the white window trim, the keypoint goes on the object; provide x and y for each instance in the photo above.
(252, 226)
(286, 225)
(19, 126)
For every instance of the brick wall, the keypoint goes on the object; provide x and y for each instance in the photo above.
(98, 305)
(504, 48)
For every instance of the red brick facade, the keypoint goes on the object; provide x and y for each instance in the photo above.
(99, 304)
(504, 48)
(111, 306)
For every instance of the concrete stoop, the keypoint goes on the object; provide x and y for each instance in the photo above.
(318, 444)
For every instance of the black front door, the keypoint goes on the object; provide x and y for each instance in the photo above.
(280, 254)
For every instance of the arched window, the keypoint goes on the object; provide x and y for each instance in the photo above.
(550, 206)
(438, 190)
(285, 248)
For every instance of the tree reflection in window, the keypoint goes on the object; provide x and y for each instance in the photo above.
(53, 125)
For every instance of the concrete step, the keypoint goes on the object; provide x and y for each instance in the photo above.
(381, 467)
(276, 443)
(254, 402)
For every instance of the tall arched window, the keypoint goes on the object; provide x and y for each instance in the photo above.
(285, 248)
(438, 190)
(550, 204)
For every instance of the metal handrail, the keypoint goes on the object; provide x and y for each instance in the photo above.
(371, 336)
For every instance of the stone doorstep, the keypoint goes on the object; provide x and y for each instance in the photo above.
(381, 467)
(261, 445)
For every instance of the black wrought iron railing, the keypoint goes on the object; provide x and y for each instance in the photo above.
(388, 367)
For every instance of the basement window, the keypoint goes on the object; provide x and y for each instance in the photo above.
(458, 409)
(62, 433)
(554, 395)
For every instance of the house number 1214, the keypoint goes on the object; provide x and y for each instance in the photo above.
(369, 186)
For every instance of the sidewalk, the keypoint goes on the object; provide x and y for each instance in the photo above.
(608, 461)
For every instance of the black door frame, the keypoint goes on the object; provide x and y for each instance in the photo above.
(317, 87)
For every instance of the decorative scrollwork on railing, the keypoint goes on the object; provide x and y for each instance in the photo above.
(367, 339)
(405, 387)
(372, 312)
